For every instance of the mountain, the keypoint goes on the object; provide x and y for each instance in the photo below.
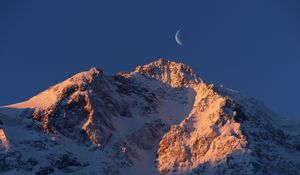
(161, 118)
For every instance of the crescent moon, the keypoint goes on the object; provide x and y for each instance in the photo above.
(177, 37)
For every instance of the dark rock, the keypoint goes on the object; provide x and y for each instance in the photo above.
(66, 162)
(45, 171)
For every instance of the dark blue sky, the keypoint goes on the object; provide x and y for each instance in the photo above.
(250, 46)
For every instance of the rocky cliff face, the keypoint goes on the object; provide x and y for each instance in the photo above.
(159, 119)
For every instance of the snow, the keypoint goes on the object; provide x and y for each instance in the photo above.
(50, 96)
(42, 100)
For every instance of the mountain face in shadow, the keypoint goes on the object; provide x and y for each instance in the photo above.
(161, 118)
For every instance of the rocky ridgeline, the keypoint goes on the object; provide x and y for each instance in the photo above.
(159, 119)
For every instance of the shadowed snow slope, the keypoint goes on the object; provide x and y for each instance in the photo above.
(159, 119)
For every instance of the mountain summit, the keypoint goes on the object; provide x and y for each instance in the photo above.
(172, 73)
(160, 118)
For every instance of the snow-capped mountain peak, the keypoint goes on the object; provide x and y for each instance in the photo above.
(86, 76)
(159, 119)
(52, 95)
(172, 73)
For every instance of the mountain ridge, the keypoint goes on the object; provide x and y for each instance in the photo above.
(160, 118)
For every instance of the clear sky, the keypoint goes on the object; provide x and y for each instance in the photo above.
(250, 46)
